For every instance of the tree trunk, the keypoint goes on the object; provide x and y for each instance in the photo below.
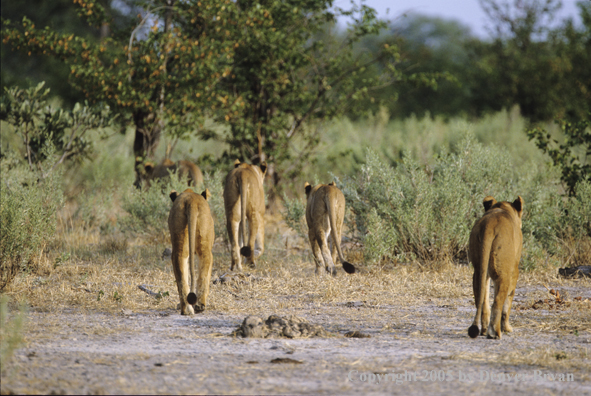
(147, 137)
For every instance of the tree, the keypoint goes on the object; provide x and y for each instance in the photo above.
(49, 134)
(435, 47)
(25, 70)
(573, 156)
(290, 73)
(258, 66)
(159, 68)
(531, 64)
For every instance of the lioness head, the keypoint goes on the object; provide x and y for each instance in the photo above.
(490, 203)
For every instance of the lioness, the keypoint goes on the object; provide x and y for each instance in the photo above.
(185, 169)
(494, 251)
(325, 212)
(191, 231)
(244, 199)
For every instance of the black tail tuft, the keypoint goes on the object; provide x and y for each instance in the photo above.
(245, 251)
(348, 267)
(192, 298)
(473, 331)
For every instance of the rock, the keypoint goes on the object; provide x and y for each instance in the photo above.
(579, 271)
(277, 326)
(167, 253)
(356, 334)
(286, 360)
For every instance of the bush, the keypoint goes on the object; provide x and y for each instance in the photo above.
(563, 226)
(421, 212)
(294, 215)
(28, 215)
(572, 155)
(41, 126)
(148, 209)
(215, 183)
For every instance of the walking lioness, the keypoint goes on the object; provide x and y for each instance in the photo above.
(186, 171)
(244, 199)
(494, 251)
(325, 212)
(191, 231)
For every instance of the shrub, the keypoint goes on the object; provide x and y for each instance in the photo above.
(563, 227)
(28, 215)
(148, 209)
(419, 212)
(215, 183)
(294, 215)
(40, 125)
(572, 155)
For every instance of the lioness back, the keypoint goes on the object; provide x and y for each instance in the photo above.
(244, 202)
(325, 212)
(191, 232)
(494, 251)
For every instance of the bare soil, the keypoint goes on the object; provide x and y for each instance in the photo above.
(416, 346)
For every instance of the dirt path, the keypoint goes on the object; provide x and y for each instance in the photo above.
(162, 352)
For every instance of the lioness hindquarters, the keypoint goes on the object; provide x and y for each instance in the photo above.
(494, 251)
(191, 231)
(325, 212)
(244, 200)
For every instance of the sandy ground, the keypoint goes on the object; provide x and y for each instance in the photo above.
(420, 348)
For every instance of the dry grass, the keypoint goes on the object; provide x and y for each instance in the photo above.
(89, 272)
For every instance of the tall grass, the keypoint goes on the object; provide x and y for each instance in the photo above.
(414, 187)
(28, 207)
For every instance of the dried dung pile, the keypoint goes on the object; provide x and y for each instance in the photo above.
(277, 326)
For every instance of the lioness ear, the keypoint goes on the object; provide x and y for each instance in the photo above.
(263, 166)
(332, 183)
(236, 163)
(308, 188)
(173, 195)
(149, 167)
(488, 202)
(518, 206)
(206, 194)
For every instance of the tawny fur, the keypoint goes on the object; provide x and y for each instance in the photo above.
(244, 200)
(191, 232)
(325, 212)
(494, 251)
(185, 169)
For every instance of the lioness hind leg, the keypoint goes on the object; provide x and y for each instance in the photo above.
(501, 292)
(485, 318)
(505, 326)
(203, 278)
(248, 249)
(318, 260)
(326, 255)
(180, 266)
(259, 246)
(233, 234)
